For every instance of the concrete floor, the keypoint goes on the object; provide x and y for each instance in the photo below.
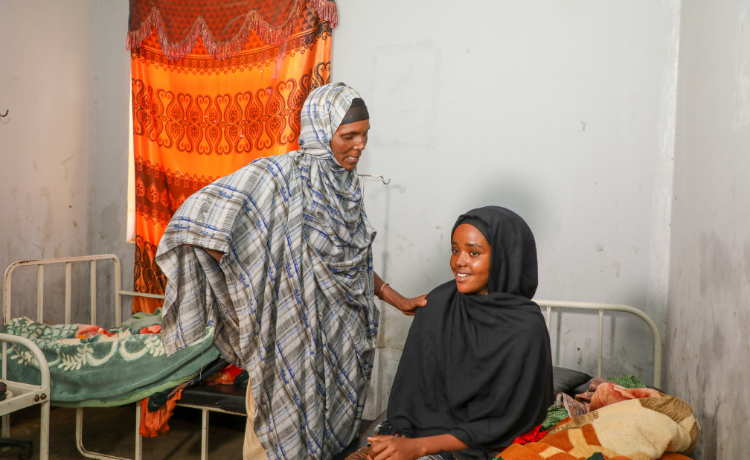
(112, 431)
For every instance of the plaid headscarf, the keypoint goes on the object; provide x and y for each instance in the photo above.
(292, 299)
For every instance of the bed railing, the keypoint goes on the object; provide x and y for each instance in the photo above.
(119, 293)
(602, 307)
(68, 261)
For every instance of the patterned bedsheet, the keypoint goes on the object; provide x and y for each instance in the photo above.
(111, 368)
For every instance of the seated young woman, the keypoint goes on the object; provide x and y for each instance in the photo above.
(476, 371)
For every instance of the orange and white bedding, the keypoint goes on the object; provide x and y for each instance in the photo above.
(622, 424)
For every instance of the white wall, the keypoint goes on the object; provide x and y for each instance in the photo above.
(708, 352)
(562, 111)
(48, 83)
(65, 77)
(108, 227)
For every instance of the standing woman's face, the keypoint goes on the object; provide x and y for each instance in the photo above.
(470, 260)
(349, 142)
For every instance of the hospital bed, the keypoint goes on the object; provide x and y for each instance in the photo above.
(225, 398)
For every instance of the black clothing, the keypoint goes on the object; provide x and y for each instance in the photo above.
(479, 367)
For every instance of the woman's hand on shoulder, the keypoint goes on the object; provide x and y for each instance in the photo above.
(394, 448)
(409, 305)
(387, 294)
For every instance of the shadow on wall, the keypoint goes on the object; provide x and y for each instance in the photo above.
(385, 230)
(707, 450)
(387, 196)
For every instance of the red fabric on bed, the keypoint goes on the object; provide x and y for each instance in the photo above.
(533, 435)
(87, 331)
(155, 329)
(609, 393)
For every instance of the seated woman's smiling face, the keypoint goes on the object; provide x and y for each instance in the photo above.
(470, 260)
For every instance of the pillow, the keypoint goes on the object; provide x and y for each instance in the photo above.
(567, 380)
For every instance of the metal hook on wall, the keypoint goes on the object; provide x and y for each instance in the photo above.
(4, 114)
(375, 176)
(378, 176)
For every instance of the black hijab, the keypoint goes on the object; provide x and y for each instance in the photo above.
(479, 367)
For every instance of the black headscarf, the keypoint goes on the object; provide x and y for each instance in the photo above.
(475, 366)
(357, 112)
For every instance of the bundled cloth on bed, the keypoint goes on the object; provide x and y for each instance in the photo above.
(108, 368)
(603, 392)
(628, 422)
(632, 428)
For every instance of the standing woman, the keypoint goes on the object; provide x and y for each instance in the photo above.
(278, 257)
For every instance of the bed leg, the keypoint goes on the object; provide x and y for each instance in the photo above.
(5, 431)
(44, 432)
(87, 454)
(204, 435)
(138, 438)
(79, 431)
(6, 426)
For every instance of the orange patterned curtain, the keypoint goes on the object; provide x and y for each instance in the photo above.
(216, 84)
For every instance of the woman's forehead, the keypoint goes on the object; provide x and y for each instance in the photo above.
(469, 235)
(353, 128)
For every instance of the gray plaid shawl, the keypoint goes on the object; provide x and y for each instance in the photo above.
(292, 299)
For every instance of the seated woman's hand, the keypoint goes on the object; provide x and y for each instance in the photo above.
(394, 448)
(409, 305)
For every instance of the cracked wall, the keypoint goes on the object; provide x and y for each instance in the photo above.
(707, 351)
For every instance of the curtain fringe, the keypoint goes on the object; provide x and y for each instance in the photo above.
(223, 50)
(327, 11)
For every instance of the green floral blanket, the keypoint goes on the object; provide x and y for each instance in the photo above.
(103, 368)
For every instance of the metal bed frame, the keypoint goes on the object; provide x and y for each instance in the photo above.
(119, 293)
(68, 261)
(24, 395)
(602, 307)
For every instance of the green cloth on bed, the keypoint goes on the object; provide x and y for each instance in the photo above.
(141, 319)
(597, 455)
(113, 402)
(554, 416)
(629, 381)
(103, 370)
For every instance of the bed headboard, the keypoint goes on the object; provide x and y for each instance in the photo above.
(68, 261)
(119, 293)
(602, 307)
